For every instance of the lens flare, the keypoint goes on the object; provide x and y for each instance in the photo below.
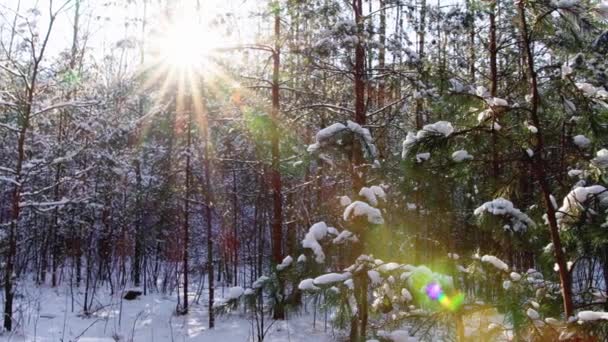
(435, 292)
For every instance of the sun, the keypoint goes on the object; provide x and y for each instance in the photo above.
(188, 45)
(187, 50)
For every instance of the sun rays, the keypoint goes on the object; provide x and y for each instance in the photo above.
(182, 57)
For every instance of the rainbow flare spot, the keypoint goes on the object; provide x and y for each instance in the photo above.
(434, 292)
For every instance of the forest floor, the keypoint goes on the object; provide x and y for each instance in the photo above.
(45, 314)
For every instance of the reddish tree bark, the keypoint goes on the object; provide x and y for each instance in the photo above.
(539, 165)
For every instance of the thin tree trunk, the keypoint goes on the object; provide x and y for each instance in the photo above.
(16, 193)
(208, 217)
(277, 219)
(187, 212)
(539, 165)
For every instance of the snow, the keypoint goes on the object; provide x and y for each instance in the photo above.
(497, 102)
(564, 4)
(587, 88)
(574, 173)
(9, 180)
(484, 115)
(420, 157)
(515, 276)
(415, 273)
(388, 267)
(553, 201)
(307, 285)
(302, 258)
(410, 140)
(374, 276)
(495, 126)
(581, 141)
(499, 264)
(568, 266)
(285, 263)
(503, 207)
(601, 159)
(344, 236)
(46, 316)
(311, 240)
(566, 70)
(370, 194)
(331, 278)
(345, 200)
(461, 155)
(327, 133)
(532, 314)
(406, 295)
(573, 202)
(587, 316)
(66, 158)
(532, 129)
(396, 336)
(456, 86)
(235, 292)
(482, 91)
(438, 128)
(602, 9)
(363, 132)
(453, 256)
(260, 282)
(529, 152)
(359, 208)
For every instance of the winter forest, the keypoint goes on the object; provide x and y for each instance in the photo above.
(304, 170)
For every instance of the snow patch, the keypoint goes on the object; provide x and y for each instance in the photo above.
(461, 155)
(359, 208)
(503, 207)
(494, 261)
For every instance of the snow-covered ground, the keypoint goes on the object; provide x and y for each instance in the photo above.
(45, 314)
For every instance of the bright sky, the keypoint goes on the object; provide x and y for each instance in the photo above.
(110, 21)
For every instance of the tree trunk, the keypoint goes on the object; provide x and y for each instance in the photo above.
(208, 217)
(277, 219)
(539, 166)
(187, 212)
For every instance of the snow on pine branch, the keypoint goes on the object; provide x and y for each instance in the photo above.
(311, 240)
(326, 134)
(503, 207)
(587, 316)
(461, 155)
(287, 261)
(437, 129)
(601, 158)
(494, 261)
(359, 208)
(576, 200)
(372, 194)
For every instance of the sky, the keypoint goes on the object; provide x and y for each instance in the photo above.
(107, 21)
